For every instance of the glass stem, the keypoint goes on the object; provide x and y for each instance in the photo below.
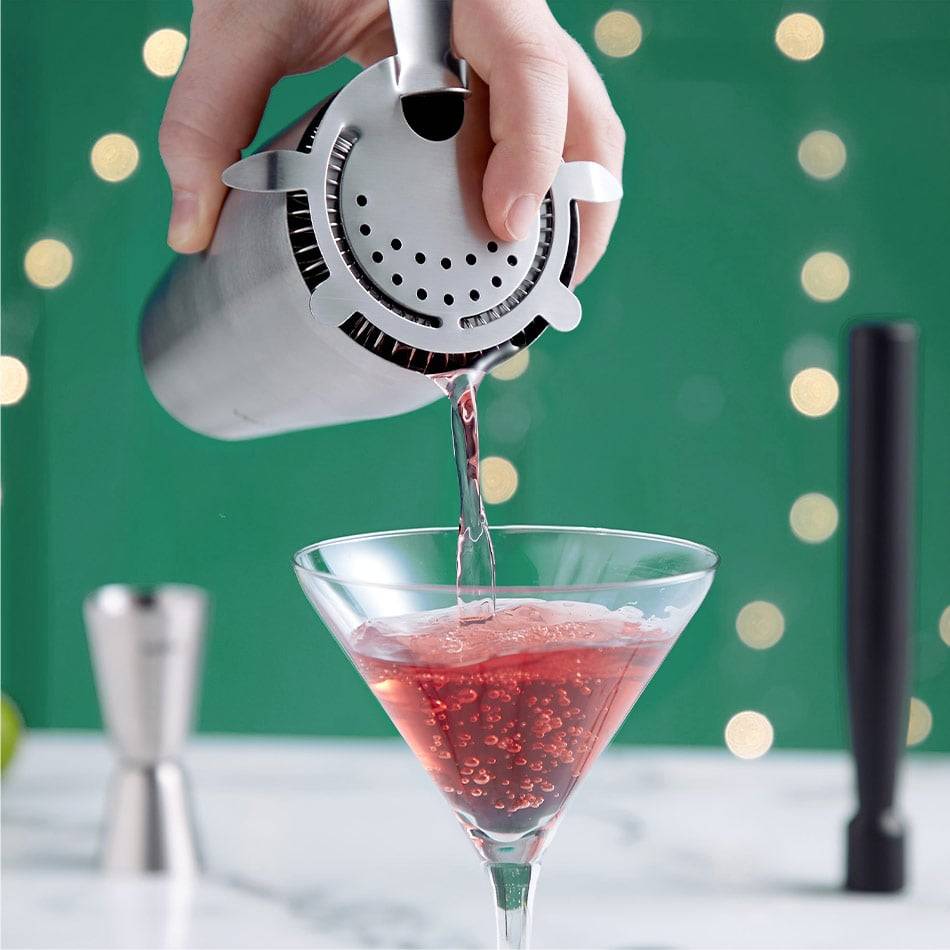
(513, 889)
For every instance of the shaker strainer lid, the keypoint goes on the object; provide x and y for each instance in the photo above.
(393, 181)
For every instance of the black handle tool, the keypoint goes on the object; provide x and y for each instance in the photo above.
(880, 589)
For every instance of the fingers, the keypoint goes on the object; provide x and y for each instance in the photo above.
(594, 133)
(213, 112)
(517, 49)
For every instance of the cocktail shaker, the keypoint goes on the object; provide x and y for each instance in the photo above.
(146, 647)
(352, 257)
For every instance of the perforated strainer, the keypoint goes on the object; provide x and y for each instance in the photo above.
(386, 219)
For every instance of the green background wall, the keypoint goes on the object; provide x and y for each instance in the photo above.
(667, 410)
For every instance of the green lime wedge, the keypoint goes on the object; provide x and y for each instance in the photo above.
(11, 725)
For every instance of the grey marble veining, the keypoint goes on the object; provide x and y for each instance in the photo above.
(345, 844)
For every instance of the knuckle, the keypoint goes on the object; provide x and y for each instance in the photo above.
(610, 131)
(544, 62)
(179, 137)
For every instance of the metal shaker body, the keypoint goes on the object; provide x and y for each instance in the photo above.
(146, 648)
(231, 350)
(399, 275)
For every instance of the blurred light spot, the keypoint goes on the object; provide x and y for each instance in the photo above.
(499, 479)
(749, 735)
(514, 367)
(800, 36)
(14, 380)
(813, 518)
(48, 263)
(700, 399)
(618, 33)
(822, 154)
(825, 276)
(114, 157)
(814, 392)
(809, 350)
(944, 625)
(919, 722)
(163, 52)
(760, 625)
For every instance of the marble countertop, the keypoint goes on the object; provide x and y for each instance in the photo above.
(345, 844)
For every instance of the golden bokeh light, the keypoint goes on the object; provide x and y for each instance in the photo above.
(800, 36)
(48, 263)
(499, 479)
(822, 154)
(825, 276)
(919, 722)
(114, 157)
(163, 52)
(760, 624)
(14, 380)
(514, 367)
(814, 392)
(813, 518)
(749, 735)
(943, 625)
(618, 33)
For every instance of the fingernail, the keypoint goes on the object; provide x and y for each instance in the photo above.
(521, 215)
(184, 218)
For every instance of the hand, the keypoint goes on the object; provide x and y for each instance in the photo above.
(546, 101)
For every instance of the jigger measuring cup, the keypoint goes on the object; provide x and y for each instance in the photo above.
(146, 646)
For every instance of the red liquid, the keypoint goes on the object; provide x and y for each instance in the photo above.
(507, 715)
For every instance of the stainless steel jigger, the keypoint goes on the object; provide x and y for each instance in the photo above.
(146, 646)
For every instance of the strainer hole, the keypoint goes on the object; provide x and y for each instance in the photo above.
(365, 230)
(446, 262)
(492, 246)
(512, 259)
(449, 299)
(395, 244)
(361, 200)
(397, 279)
(377, 257)
(470, 258)
(421, 293)
(420, 258)
(474, 294)
(496, 281)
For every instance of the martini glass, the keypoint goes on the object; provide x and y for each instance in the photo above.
(508, 714)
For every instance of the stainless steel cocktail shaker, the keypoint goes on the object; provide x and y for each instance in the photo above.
(352, 257)
(146, 647)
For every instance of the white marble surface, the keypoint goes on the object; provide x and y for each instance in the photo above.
(345, 844)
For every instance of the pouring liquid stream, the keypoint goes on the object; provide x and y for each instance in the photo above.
(475, 555)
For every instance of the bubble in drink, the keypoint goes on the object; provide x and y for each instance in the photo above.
(519, 668)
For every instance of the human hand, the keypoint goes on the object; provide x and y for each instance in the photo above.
(547, 101)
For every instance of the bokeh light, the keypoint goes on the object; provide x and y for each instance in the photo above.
(822, 154)
(14, 380)
(800, 36)
(919, 722)
(618, 33)
(163, 52)
(813, 518)
(760, 624)
(48, 263)
(825, 276)
(114, 157)
(814, 392)
(499, 479)
(514, 367)
(749, 735)
(943, 625)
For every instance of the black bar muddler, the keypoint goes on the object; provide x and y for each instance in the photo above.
(880, 589)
